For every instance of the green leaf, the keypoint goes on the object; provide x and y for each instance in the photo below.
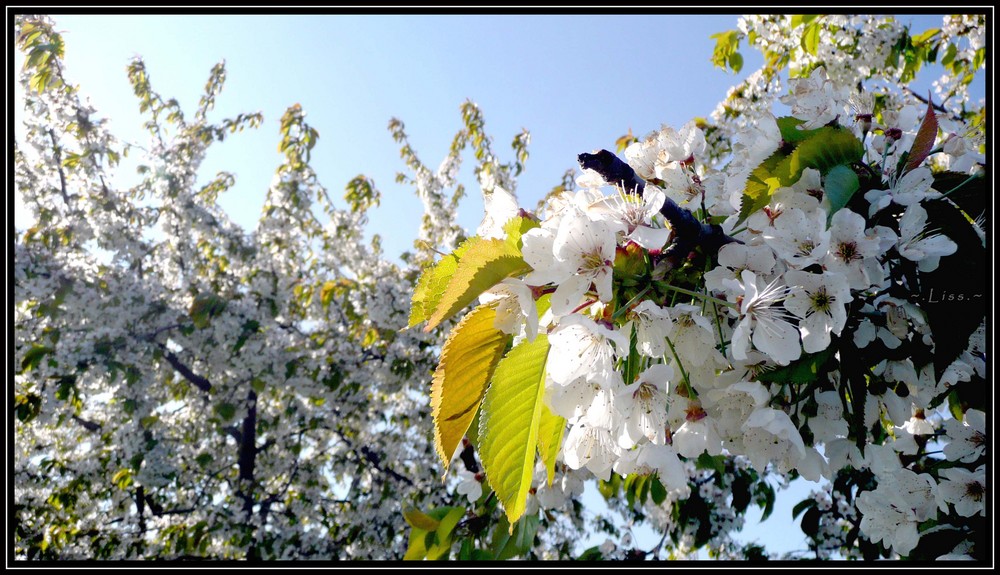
(591, 554)
(736, 62)
(726, 45)
(420, 520)
(510, 421)
(431, 286)
(803, 370)
(417, 549)
(740, 488)
(955, 405)
(204, 307)
(122, 479)
(800, 19)
(609, 488)
(482, 266)
(822, 149)
(802, 506)
(810, 38)
(924, 140)
(226, 411)
(550, 435)
(34, 356)
(810, 522)
(839, 185)
(448, 523)
(825, 149)
(657, 491)
(925, 36)
(326, 293)
(517, 539)
(790, 132)
(768, 494)
(468, 359)
(761, 184)
(949, 55)
(517, 227)
(716, 463)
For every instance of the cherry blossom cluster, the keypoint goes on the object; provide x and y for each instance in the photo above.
(670, 373)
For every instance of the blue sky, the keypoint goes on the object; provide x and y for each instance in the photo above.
(576, 83)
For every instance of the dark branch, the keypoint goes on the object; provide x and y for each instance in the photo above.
(613, 170)
(372, 457)
(197, 380)
(152, 335)
(62, 176)
(88, 425)
(688, 232)
(938, 107)
(248, 447)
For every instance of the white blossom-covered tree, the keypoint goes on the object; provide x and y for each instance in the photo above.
(737, 303)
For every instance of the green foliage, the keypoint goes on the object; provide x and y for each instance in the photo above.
(822, 149)
(510, 541)
(33, 357)
(810, 37)
(839, 186)
(298, 139)
(432, 533)
(431, 286)
(726, 52)
(801, 371)
(361, 194)
(43, 49)
(204, 307)
(479, 264)
(550, 435)
(517, 227)
(510, 422)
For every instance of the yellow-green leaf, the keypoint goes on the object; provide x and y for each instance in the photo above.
(510, 421)
(758, 190)
(430, 287)
(517, 227)
(550, 435)
(799, 19)
(810, 38)
(468, 359)
(326, 293)
(924, 37)
(417, 548)
(420, 520)
(482, 265)
(448, 523)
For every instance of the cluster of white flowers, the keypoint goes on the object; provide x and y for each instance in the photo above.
(646, 381)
